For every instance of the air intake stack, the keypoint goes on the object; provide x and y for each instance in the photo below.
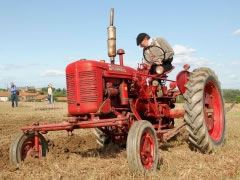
(111, 38)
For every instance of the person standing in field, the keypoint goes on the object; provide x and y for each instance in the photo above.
(14, 95)
(50, 94)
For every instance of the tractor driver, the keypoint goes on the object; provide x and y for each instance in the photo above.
(157, 53)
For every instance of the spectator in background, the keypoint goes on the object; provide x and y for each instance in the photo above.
(50, 94)
(14, 95)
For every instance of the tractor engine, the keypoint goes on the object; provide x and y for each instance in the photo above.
(94, 87)
(84, 87)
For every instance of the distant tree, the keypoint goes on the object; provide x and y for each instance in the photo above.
(59, 92)
(238, 99)
(231, 95)
(31, 89)
(44, 90)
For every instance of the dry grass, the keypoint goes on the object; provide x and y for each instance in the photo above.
(79, 157)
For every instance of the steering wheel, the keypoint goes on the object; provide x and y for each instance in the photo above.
(153, 53)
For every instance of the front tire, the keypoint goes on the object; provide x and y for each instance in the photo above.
(204, 110)
(142, 147)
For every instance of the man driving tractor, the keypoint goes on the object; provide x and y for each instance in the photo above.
(158, 53)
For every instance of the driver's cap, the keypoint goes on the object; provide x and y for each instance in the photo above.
(140, 37)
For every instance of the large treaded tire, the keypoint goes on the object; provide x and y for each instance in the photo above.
(19, 143)
(142, 143)
(101, 138)
(201, 137)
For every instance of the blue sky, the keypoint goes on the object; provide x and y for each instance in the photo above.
(39, 38)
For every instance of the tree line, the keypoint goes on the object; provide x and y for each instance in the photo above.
(57, 92)
(229, 95)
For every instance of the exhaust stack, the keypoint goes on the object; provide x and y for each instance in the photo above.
(111, 38)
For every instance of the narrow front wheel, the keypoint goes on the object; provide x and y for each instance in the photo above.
(142, 147)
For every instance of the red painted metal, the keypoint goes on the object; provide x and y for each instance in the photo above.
(214, 116)
(181, 80)
(27, 148)
(31, 148)
(175, 113)
(106, 107)
(84, 87)
(147, 147)
(164, 90)
(133, 105)
(36, 142)
(123, 88)
(120, 52)
(70, 126)
(173, 85)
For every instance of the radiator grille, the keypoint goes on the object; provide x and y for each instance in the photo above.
(88, 86)
(71, 88)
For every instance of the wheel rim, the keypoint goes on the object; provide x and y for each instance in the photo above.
(213, 111)
(147, 150)
(28, 149)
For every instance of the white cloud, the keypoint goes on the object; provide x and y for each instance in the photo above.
(185, 55)
(1, 67)
(237, 32)
(235, 63)
(52, 73)
(7, 67)
(233, 76)
(182, 50)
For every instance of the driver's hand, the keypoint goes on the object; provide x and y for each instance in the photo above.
(157, 63)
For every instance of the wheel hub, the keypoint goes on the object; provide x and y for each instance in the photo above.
(29, 150)
(147, 150)
(213, 110)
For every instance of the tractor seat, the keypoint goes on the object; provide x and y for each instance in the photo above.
(166, 72)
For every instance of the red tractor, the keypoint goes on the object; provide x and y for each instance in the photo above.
(134, 108)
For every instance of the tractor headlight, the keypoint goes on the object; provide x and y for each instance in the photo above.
(159, 70)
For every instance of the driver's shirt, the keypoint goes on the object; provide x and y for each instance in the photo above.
(162, 43)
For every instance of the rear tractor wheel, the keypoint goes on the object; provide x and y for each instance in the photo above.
(23, 147)
(204, 107)
(142, 147)
(102, 139)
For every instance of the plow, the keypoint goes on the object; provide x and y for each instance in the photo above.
(134, 108)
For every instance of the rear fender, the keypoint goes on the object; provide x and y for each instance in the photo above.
(182, 79)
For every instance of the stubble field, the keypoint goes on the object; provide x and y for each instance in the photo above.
(80, 157)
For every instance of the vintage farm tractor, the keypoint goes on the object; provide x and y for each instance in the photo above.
(134, 108)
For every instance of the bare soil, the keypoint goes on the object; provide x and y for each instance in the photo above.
(79, 157)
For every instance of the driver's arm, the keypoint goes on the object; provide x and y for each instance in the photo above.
(157, 62)
(154, 60)
(166, 46)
